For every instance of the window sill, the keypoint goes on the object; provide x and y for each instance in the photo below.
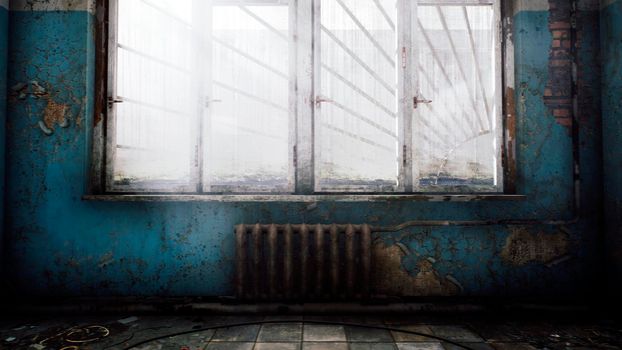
(303, 198)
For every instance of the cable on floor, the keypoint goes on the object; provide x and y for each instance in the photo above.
(445, 340)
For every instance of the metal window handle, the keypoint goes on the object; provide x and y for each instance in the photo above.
(209, 101)
(417, 101)
(112, 101)
(320, 99)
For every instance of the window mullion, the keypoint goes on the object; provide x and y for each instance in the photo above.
(202, 32)
(111, 107)
(306, 70)
(293, 98)
(406, 83)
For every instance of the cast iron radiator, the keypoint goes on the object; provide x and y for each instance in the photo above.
(302, 262)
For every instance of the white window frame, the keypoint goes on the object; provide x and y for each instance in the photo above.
(305, 103)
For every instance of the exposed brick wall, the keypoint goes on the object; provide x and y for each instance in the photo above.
(558, 92)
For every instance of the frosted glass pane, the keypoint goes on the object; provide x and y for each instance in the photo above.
(155, 61)
(247, 125)
(356, 129)
(454, 137)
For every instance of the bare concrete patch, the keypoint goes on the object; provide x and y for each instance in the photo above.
(523, 247)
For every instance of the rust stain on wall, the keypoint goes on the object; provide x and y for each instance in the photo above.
(509, 151)
(523, 246)
(54, 114)
(390, 278)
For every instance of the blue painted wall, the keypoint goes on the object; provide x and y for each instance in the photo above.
(58, 244)
(4, 38)
(611, 36)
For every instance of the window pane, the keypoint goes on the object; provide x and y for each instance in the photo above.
(154, 79)
(356, 129)
(455, 139)
(247, 125)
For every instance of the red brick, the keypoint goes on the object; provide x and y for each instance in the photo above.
(560, 101)
(564, 121)
(559, 25)
(559, 63)
(561, 113)
(560, 34)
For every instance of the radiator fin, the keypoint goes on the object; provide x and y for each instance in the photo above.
(302, 262)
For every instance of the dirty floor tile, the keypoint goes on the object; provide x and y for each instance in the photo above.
(192, 341)
(322, 333)
(237, 334)
(280, 332)
(364, 334)
(420, 346)
(372, 346)
(474, 346)
(456, 333)
(513, 346)
(324, 346)
(277, 346)
(408, 337)
(230, 346)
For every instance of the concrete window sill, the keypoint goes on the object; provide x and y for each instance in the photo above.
(303, 198)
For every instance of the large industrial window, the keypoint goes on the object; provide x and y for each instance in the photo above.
(304, 96)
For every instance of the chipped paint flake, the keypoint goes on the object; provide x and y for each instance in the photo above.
(391, 279)
(53, 5)
(530, 5)
(55, 113)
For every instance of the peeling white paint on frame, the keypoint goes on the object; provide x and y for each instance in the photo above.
(52, 5)
(530, 5)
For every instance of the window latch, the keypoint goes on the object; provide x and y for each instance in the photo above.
(112, 101)
(209, 101)
(417, 101)
(320, 99)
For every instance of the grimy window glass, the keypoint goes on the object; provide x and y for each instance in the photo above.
(356, 117)
(306, 96)
(456, 136)
(154, 88)
(246, 124)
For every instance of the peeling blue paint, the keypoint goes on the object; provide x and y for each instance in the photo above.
(611, 41)
(57, 244)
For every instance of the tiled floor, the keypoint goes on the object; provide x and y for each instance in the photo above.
(303, 333)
